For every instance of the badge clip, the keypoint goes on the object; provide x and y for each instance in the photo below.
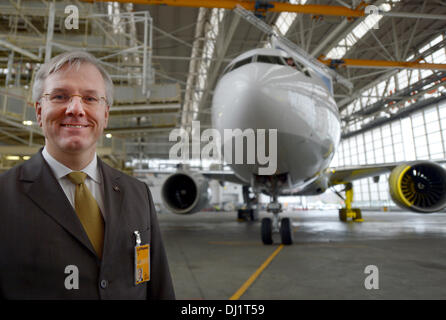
(138, 237)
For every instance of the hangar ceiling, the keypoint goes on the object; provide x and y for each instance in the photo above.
(165, 64)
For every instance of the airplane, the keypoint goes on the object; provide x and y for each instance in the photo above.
(268, 88)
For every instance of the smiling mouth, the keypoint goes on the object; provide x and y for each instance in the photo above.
(78, 126)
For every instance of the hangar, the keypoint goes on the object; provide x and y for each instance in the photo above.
(385, 62)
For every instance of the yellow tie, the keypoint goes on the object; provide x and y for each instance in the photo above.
(88, 211)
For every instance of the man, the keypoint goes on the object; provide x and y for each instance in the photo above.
(71, 227)
(290, 62)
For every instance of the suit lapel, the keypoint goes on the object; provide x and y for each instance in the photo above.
(43, 188)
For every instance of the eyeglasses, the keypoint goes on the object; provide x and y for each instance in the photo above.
(63, 98)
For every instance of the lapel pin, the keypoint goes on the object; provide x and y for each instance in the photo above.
(116, 188)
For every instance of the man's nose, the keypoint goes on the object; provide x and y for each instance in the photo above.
(75, 106)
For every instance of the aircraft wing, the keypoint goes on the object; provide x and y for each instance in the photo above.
(220, 175)
(343, 175)
(348, 174)
(227, 176)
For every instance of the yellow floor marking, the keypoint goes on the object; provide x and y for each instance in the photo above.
(254, 276)
(236, 243)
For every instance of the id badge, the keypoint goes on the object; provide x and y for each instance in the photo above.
(142, 261)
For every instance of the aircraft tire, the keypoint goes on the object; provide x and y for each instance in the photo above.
(358, 214)
(343, 215)
(267, 231)
(286, 231)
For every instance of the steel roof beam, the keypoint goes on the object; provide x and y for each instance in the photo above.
(315, 9)
(23, 52)
(344, 102)
(415, 107)
(384, 64)
(222, 45)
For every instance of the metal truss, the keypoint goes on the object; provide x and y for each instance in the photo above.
(274, 6)
(32, 32)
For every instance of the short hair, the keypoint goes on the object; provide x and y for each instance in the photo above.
(73, 59)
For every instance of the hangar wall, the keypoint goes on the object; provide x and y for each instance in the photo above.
(420, 136)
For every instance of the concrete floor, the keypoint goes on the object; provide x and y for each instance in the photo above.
(211, 256)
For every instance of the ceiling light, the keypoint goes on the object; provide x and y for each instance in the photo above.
(14, 158)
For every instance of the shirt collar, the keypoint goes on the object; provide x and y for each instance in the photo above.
(60, 170)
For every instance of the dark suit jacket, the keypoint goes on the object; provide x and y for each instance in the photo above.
(40, 235)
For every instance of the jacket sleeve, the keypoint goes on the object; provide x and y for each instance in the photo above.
(160, 286)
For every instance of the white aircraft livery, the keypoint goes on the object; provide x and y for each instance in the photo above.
(270, 89)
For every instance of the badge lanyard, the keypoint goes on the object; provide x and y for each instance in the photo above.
(142, 260)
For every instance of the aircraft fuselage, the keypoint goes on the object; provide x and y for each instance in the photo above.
(295, 102)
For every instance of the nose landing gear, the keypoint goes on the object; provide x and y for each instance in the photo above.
(270, 226)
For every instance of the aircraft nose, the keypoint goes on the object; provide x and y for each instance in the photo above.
(243, 100)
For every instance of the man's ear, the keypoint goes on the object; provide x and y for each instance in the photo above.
(107, 114)
(38, 108)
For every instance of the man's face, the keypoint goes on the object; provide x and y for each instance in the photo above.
(74, 127)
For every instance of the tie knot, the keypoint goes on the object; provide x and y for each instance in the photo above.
(77, 177)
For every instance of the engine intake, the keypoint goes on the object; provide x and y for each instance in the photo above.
(420, 186)
(185, 192)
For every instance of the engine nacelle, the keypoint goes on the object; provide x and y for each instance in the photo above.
(185, 192)
(419, 186)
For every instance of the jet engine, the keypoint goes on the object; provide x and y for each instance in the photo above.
(419, 186)
(185, 192)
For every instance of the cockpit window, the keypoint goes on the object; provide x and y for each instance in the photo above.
(270, 59)
(298, 66)
(242, 63)
(238, 64)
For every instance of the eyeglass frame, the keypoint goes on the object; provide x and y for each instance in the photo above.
(75, 95)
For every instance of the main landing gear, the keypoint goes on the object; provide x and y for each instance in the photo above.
(251, 211)
(283, 225)
(348, 211)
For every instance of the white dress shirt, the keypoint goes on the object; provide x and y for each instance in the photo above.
(93, 180)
